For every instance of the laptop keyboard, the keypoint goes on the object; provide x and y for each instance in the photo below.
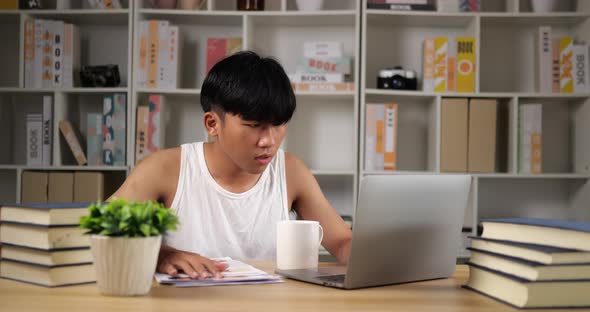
(333, 278)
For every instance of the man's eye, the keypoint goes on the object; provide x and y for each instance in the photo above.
(253, 125)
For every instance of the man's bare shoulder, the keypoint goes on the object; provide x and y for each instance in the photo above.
(297, 173)
(293, 164)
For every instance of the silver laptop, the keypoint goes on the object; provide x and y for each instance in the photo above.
(406, 228)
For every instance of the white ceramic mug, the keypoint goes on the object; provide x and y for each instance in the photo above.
(310, 5)
(298, 243)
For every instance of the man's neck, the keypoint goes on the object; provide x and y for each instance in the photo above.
(225, 172)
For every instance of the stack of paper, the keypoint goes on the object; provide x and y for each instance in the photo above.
(237, 273)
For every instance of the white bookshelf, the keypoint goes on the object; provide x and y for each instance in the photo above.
(505, 32)
(323, 131)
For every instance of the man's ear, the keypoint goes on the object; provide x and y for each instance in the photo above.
(212, 123)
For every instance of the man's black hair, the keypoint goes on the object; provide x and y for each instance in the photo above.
(252, 87)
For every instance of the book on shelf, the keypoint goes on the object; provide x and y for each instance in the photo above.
(47, 129)
(34, 143)
(428, 65)
(94, 139)
(529, 270)
(400, 1)
(555, 74)
(48, 276)
(113, 129)
(43, 237)
(219, 48)
(322, 49)
(532, 252)
(581, 83)
(104, 4)
(448, 64)
(51, 53)
(342, 65)
(60, 188)
(34, 186)
(544, 59)
(44, 214)
(67, 130)
(522, 293)
(566, 66)
(530, 138)
(159, 48)
(323, 87)
(49, 257)
(317, 78)
(556, 233)
(469, 5)
(141, 135)
(452, 66)
(441, 52)
(465, 81)
(481, 147)
(454, 135)
(381, 137)
(401, 7)
(155, 129)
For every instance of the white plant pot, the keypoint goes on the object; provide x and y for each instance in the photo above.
(125, 266)
(310, 5)
(544, 6)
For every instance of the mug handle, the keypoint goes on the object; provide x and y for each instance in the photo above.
(321, 233)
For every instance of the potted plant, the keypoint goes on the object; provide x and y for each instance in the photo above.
(125, 241)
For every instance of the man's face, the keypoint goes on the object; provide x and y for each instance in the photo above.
(251, 145)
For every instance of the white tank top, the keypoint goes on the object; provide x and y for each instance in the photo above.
(217, 223)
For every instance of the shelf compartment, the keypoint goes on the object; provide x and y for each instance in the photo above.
(339, 191)
(10, 50)
(8, 191)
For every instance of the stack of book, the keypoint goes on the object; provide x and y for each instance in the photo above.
(562, 63)
(159, 50)
(51, 53)
(323, 67)
(532, 263)
(42, 244)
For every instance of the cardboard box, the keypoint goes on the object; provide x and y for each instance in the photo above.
(454, 127)
(34, 187)
(61, 187)
(88, 186)
(481, 154)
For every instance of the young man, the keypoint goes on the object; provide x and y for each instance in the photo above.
(230, 193)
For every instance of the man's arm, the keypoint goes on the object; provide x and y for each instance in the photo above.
(311, 204)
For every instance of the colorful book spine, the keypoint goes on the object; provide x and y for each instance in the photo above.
(67, 131)
(163, 34)
(34, 139)
(389, 153)
(581, 68)
(452, 67)
(380, 137)
(29, 53)
(39, 55)
(441, 52)
(113, 125)
(325, 65)
(530, 138)
(152, 54)
(544, 58)
(58, 48)
(47, 129)
(47, 69)
(173, 46)
(323, 87)
(119, 128)
(428, 66)
(566, 65)
(555, 80)
(155, 134)
(219, 48)
(108, 143)
(465, 64)
(94, 139)
(371, 137)
(143, 54)
(141, 137)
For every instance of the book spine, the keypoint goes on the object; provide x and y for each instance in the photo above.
(172, 63)
(566, 77)
(94, 139)
(34, 139)
(58, 46)
(143, 54)
(428, 66)
(465, 64)
(29, 53)
(530, 137)
(325, 49)
(555, 85)
(47, 129)
(440, 63)
(545, 59)
(67, 69)
(152, 54)
(323, 87)
(325, 65)
(141, 138)
(68, 132)
(469, 5)
(581, 68)
(371, 137)
(48, 54)
(163, 35)
(380, 137)
(389, 156)
(119, 129)
(216, 49)
(401, 7)
(38, 62)
(316, 77)
(155, 137)
(108, 143)
(451, 67)
(537, 139)
(233, 45)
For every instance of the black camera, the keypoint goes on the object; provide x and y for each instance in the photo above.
(100, 76)
(397, 78)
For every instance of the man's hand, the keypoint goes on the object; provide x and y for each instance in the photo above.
(171, 260)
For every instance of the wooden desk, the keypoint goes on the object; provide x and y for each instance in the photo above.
(437, 295)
